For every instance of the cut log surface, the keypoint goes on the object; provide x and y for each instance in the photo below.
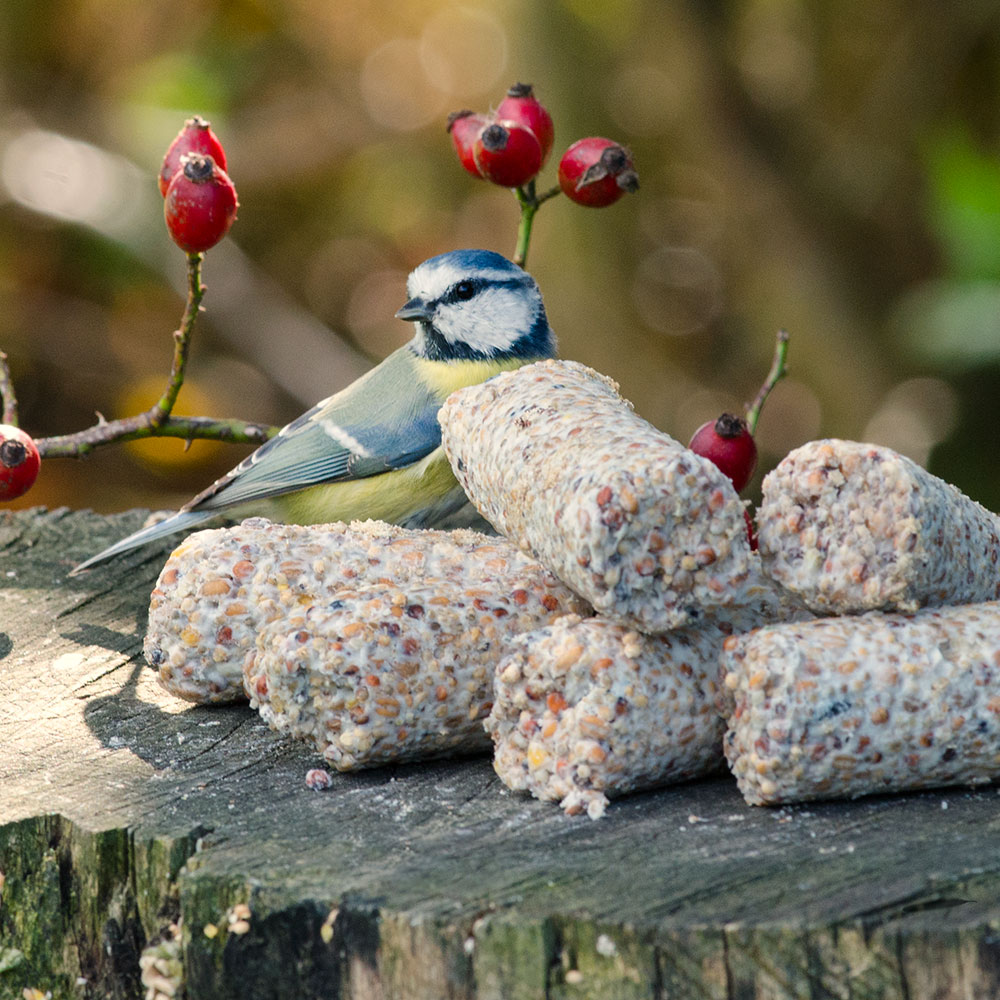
(123, 811)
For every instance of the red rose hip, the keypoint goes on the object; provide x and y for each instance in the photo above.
(507, 154)
(19, 462)
(200, 205)
(196, 137)
(464, 128)
(521, 106)
(596, 172)
(728, 443)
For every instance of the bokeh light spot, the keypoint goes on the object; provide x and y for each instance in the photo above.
(463, 50)
(69, 180)
(950, 322)
(163, 455)
(395, 87)
(914, 416)
(774, 55)
(677, 290)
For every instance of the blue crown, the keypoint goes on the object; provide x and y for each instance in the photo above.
(475, 260)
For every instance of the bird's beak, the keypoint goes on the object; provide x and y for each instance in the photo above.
(414, 311)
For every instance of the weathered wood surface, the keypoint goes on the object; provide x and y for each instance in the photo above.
(122, 809)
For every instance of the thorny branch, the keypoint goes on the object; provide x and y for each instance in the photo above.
(157, 421)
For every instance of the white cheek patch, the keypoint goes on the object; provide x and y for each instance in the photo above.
(492, 321)
(344, 439)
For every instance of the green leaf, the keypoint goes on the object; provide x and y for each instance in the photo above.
(964, 204)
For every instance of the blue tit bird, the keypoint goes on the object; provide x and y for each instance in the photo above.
(373, 450)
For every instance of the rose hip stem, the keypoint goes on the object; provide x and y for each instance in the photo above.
(774, 376)
(530, 203)
(7, 396)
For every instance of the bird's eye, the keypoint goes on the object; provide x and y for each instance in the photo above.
(464, 291)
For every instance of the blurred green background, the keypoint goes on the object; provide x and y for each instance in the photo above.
(828, 168)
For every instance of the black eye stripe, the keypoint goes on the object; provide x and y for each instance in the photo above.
(468, 288)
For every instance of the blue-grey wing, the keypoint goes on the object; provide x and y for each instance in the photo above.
(385, 420)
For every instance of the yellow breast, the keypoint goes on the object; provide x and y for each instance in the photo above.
(443, 378)
(393, 496)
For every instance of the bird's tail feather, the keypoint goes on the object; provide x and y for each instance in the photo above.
(177, 522)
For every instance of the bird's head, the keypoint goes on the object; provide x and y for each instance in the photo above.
(475, 305)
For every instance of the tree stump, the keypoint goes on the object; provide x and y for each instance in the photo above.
(124, 811)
